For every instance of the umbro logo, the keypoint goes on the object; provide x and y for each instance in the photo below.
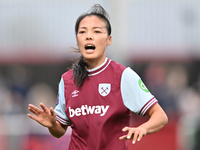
(75, 93)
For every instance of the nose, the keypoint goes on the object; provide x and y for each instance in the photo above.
(89, 36)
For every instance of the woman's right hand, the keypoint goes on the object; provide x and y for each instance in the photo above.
(45, 117)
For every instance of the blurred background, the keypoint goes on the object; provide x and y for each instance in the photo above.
(159, 39)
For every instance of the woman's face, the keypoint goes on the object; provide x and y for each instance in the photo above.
(92, 39)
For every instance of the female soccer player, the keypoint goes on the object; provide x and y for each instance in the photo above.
(97, 95)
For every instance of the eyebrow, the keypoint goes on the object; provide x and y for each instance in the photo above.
(92, 28)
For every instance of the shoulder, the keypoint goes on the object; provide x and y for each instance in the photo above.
(68, 76)
(68, 73)
(116, 67)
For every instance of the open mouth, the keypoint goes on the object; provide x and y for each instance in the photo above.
(90, 47)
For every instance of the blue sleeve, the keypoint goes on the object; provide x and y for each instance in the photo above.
(60, 105)
(135, 95)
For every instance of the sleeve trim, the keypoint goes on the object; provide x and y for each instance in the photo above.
(147, 106)
(63, 121)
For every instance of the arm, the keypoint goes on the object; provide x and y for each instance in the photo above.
(157, 120)
(47, 118)
(58, 130)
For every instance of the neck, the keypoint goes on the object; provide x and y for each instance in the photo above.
(94, 63)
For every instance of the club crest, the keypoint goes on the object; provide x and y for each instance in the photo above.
(104, 89)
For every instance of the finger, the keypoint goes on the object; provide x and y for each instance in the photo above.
(33, 117)
(130, 134)
(135, 137)
(125, 129)
(140, 136)
(33, 111)
(35, 108)
(124, 137)
(45, 109)
(52, 112)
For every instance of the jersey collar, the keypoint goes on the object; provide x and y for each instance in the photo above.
(100, 68)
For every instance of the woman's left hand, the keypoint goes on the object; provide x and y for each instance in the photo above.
(134, 134)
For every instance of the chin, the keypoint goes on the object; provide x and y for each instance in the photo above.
(90, 57)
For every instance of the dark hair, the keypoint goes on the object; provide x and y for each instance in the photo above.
(98, 11)
(79, 68)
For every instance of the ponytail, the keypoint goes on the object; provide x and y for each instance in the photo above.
(80, 72)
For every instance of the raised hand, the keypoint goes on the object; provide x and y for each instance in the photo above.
(45, 117)
(134, 134)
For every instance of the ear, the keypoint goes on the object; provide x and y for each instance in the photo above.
(109, 40)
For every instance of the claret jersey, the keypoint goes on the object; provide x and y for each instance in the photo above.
(99, 110)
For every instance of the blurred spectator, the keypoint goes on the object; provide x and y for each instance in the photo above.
(19, 80)
(155, 79)
(41, 93)
(8, 104)
(177, 79)
(189, 104)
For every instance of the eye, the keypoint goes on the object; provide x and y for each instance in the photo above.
(97, 31)
(81, 32)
